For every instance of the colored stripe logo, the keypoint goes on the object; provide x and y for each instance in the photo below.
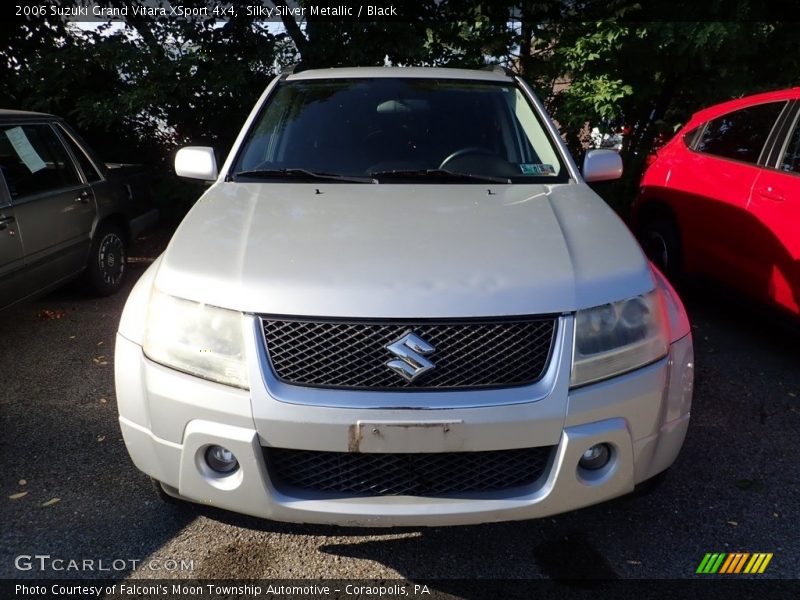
(734, 562)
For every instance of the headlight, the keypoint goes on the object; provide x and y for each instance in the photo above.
(202, 340)
(618, 337)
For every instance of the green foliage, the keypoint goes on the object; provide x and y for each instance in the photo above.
(140, 90)
(651, 75)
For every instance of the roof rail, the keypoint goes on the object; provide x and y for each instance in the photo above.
(499, 69)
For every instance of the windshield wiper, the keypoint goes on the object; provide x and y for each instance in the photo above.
(440, 174)
(301, 174)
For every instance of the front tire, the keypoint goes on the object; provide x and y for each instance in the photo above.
(648, 486)
(107, 260)
(661, 243)
(166, 497)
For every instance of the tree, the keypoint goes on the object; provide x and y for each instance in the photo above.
(140, 89)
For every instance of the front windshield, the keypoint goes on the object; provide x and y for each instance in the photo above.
(385, 129)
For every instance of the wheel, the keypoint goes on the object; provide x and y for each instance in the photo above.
(661, 243)
(165, 497)
(648, 486)
(107, 257)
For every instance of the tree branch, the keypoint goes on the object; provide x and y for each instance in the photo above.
(292, 28)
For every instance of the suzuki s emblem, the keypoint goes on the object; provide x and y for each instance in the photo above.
(410, 351)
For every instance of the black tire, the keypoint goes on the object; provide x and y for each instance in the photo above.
(648, 486)
(165, 497)
(661, 242)
(106, 268)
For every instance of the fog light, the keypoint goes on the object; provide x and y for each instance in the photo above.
(595, 457)
(221, 459)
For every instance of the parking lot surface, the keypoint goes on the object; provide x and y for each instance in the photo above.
(71, 492)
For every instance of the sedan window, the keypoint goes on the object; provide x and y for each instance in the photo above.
(690, 138)
(33, 160)
(791, 160)
(89, 170)
(740, 135)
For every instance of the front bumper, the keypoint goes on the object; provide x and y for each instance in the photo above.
(168, 419)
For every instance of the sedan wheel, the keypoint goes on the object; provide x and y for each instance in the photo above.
(107, 260)
(661, 244)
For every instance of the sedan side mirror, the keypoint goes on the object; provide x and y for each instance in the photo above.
(196, 162)
(601, 165)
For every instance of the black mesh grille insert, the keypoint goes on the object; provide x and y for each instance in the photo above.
(429, 474)
(342, 354)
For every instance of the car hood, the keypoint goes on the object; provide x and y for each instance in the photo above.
(396, 251)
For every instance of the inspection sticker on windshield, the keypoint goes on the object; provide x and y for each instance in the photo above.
(25, 150)
(537, 169)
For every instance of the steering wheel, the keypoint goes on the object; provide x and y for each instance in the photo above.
(463, 151)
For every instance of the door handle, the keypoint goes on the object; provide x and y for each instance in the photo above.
(4, 221)
(771, 193)
(83, 197)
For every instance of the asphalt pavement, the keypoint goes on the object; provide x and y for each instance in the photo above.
(69, 490)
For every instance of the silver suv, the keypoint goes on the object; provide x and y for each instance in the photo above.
(399, 303)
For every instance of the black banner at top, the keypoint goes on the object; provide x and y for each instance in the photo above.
(278, 11)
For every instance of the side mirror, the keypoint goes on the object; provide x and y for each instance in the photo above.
(601, 165)
(196, 162)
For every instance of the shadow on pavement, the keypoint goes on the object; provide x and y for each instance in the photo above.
(61, 447)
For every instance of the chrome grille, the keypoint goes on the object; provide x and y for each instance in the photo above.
(468, 354)
(427, 474)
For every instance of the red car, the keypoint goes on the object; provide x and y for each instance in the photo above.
(722, 198)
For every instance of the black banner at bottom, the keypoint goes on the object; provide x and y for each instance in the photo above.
(392, 589)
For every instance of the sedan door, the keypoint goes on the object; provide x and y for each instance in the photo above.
(718, 175)
(12, 273)
(775, 204)
(54, 207)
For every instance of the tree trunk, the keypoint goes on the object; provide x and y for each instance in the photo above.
(293, 29)
(526, 43)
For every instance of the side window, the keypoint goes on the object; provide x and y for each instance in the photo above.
(34, 160)
(690, 138)
(86, 165)
(791, 159)
(740, 135)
